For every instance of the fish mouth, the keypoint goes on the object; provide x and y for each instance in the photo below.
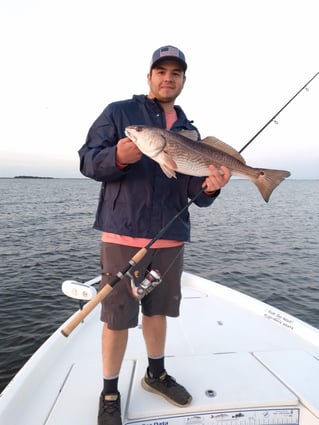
(130, 134)
(132, 130)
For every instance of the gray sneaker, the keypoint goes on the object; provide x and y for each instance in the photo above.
(167, 387)
(110, 410)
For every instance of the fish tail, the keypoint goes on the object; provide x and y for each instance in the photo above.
(268, 180)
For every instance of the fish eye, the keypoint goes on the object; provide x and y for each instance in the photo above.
(139, 128)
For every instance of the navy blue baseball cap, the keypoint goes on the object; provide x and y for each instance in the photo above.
(168, 53)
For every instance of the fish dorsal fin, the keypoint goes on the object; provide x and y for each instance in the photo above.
(190, 134)
(222, 146)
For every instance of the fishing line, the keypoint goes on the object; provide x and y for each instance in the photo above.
(89, 306)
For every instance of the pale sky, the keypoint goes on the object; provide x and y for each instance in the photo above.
(63, 61)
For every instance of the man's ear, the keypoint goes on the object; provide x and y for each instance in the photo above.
(184, 81)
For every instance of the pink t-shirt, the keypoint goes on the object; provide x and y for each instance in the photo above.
(170, 117)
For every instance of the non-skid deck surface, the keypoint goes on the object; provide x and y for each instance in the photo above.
(79, 397)
(299, 371)
(238, 379)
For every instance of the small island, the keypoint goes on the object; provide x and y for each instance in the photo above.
(32, 177)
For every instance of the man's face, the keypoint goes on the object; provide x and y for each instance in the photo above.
(166, 81)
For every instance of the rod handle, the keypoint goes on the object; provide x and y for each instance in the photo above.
(81, 315)
(89, 306)
(139, 255)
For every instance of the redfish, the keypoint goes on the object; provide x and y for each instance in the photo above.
(177, 152)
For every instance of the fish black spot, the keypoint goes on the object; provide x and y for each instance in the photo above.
(262, 173)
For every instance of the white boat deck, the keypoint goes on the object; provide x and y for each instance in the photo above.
(243, 362)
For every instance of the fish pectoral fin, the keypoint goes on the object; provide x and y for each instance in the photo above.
(222, 146)
(168, 165)
(168, 172)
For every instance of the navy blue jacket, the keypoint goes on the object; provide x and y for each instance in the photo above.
(138, 200)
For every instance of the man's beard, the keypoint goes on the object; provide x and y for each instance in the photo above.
(167, 99)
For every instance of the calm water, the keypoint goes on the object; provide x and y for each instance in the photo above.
(269, 251)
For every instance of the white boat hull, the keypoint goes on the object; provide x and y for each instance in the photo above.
(243, 361)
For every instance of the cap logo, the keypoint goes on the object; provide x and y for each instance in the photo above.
(169, 51)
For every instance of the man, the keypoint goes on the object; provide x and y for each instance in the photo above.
(136, 201)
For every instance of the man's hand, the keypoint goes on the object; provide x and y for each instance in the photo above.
(218, 178)
(127, 152)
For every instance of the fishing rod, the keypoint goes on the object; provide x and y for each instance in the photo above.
(90, 305)
(280, 110)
